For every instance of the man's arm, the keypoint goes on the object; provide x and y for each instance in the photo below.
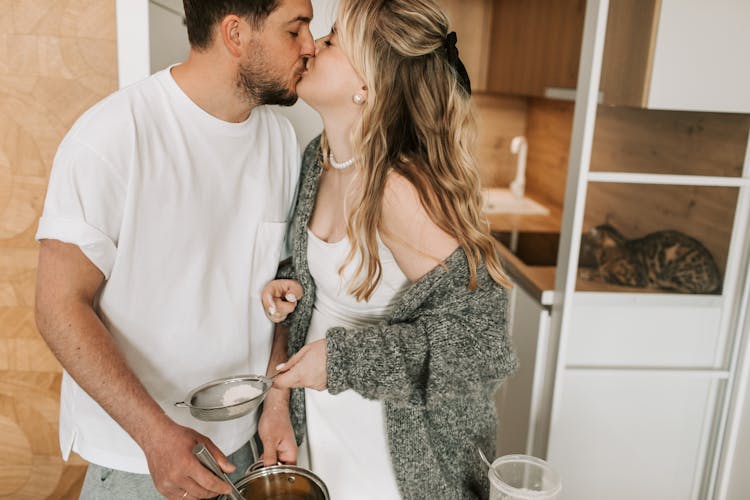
(275, 426)
(67, 283)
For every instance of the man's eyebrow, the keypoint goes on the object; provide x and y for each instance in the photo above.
(300, 19)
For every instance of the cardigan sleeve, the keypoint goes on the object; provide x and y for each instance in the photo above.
(444, 353)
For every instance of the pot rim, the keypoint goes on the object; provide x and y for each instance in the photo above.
(257, 470)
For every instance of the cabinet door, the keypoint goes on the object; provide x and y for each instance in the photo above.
(700, 58)
(622, 436)
(535, 44)
(519, 400)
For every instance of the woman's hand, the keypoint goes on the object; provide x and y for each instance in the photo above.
(308, 368)
(280, 298)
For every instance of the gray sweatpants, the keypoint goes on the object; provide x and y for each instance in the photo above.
(108, 484)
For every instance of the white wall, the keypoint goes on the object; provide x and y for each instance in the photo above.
(168, 40)
(132, 41)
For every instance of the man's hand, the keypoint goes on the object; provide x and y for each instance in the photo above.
(275, 429)
(280, 298)
(176, 472)
(308, 368)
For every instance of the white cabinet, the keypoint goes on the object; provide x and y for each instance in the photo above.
(645, 331)
(520, 402)
(639, 396)
(700, 56)
(625, 436)
(643, 386)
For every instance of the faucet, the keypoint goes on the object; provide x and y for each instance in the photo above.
(518, 146)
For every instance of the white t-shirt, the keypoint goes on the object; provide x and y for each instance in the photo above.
(186, 217)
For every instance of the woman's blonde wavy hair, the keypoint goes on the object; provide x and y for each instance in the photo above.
(418, 121)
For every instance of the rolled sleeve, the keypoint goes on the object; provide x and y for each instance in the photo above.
(94, 244)
(84, 204)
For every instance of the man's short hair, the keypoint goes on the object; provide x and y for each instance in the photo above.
(201, 16)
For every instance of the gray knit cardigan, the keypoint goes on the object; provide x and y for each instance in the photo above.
(435, 362)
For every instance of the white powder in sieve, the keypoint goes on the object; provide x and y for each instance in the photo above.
(239, 394)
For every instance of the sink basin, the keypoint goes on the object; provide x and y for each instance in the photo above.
(503, 201)
(531, 248)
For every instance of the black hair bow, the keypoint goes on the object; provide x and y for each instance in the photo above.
(451, 52)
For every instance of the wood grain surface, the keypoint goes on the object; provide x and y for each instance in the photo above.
(57, 58)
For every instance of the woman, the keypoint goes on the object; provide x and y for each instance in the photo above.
(403, 314)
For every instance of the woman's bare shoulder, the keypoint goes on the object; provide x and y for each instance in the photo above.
(416, 241)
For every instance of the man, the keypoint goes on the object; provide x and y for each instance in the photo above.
(165, 216)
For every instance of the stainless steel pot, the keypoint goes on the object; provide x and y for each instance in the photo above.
(280, 482)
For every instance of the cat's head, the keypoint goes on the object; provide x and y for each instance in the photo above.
(599, 243)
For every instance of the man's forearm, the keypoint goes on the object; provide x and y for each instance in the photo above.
(88, 353)
(278, 355)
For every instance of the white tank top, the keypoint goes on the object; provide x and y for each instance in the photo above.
(346, 432)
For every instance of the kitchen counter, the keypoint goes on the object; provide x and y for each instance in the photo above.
(538, 281)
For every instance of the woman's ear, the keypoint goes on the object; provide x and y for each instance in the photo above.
(230, 34)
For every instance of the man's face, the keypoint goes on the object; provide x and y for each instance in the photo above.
(270, 69)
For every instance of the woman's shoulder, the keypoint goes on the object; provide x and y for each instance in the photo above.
(415, 239)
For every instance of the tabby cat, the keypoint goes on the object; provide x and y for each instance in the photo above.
(663, 260)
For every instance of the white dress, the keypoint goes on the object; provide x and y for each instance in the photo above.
(346, 433)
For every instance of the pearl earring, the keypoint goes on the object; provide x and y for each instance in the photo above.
(358, 99)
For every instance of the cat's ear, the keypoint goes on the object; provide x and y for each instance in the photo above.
(608, 240)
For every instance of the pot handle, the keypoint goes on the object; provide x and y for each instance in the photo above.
(256, 466)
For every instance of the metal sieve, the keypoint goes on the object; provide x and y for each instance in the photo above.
(206, 402)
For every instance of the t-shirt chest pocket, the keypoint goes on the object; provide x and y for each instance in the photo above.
(267, 253)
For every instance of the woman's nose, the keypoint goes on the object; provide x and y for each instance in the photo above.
(319, 43)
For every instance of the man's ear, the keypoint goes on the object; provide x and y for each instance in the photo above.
(230, 34)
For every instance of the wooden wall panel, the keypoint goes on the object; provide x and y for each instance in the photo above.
(471, 20)
(499, 120)
(57, 58)
(550, 124)
(669, 142)
(629, 50)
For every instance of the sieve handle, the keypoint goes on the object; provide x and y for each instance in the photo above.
(204, 456)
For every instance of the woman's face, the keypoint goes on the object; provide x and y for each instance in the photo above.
(329, 82)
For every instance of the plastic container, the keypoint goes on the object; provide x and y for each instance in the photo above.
(522, 477)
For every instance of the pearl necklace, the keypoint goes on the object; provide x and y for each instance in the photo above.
(342, 165)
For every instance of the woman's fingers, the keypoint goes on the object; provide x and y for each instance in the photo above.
(289, 363)
(288, 377)
(293, 291)
(287, 380)
(279, 298)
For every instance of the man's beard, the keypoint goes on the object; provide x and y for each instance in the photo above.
(258, 85)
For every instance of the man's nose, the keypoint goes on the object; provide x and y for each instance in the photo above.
(309, 48)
